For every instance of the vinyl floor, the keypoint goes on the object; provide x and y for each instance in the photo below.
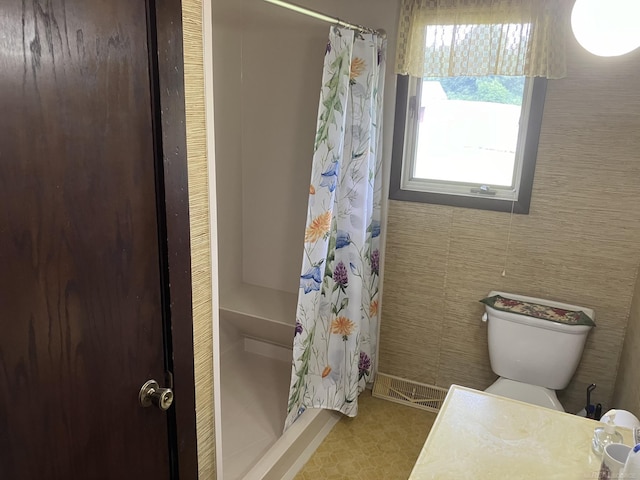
(381, 443)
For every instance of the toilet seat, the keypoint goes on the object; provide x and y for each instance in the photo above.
(525, 392)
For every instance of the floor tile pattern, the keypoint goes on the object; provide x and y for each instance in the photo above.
(381, 443)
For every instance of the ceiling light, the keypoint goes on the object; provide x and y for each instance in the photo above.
(607, 28)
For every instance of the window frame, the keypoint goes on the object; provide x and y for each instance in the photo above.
(403, 135)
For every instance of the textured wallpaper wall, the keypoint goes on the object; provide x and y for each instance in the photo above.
(579, 244)
(201, 238)
(627, 391)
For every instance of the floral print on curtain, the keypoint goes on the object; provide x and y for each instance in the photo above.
(335, 343)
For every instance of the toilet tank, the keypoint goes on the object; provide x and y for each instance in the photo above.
(532, 350)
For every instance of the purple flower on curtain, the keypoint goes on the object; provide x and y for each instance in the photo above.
(328, 49)
(375, 262)
(298, 330)
(311, 279)
(341, 276)
(330, 177)
(364, 365)
(342, 239)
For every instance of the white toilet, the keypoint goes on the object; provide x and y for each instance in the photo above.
(534, 357)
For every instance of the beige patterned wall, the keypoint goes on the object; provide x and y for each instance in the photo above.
(192, 13)
(580, 243)
(627, 391)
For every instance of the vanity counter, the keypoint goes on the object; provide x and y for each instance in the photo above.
(483, 436)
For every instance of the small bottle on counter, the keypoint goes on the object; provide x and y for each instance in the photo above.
(603, 436)
(631, 467)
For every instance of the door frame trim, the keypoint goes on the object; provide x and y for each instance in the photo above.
(172, 121)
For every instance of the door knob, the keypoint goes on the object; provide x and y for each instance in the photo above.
(152, 394)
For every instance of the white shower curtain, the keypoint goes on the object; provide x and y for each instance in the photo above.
(335, 341)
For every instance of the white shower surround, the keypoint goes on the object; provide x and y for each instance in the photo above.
(263, 172)
(272, 338)
(292, 450)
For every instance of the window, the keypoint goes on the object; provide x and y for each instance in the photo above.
(467, 141)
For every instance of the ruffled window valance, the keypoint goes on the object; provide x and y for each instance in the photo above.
(444, 38)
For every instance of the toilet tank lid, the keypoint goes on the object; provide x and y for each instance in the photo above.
(548, 303)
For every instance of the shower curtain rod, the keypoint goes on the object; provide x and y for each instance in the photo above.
(326, 18)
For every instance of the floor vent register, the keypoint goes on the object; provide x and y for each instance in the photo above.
(406, 392)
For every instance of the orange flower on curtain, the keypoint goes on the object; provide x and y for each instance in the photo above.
(318, 228)
(342, 326)
(357, 67)
(373, 308)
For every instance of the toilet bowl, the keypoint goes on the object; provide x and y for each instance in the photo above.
(533, 356)
(525, 392)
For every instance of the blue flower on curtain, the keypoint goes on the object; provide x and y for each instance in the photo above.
(375, 228)
(330, 177)
(343, 239)
(311, 279)
(355, 270)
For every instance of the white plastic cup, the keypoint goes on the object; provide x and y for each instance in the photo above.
(613, 460)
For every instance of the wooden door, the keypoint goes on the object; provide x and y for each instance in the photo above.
(84, 287)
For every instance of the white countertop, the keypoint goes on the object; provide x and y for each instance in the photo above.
(483, 436)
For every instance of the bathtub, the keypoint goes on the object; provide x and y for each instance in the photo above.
(264, 321)
(292, 450)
